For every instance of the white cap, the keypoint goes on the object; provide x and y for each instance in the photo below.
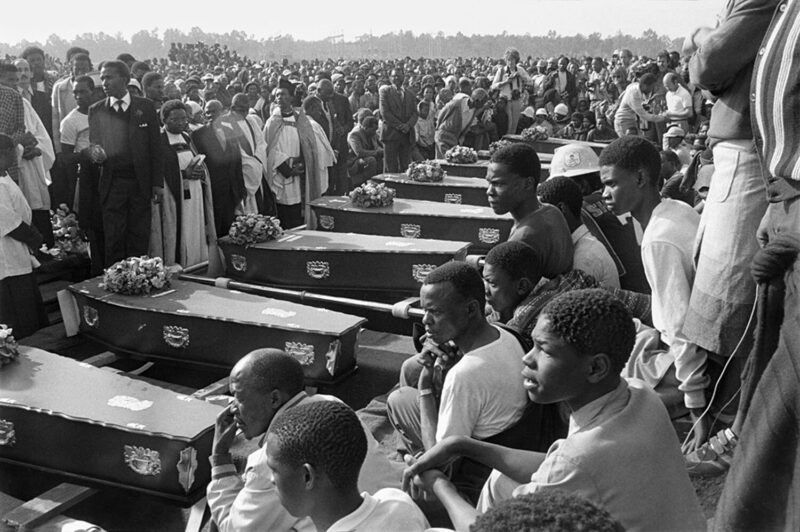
(561, 109)
(573, 160)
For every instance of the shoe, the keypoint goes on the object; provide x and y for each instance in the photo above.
(714, 457)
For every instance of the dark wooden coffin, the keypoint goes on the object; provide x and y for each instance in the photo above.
(476, 169)
(323, 260)
(64, 416)
(550, 145)
(196, 324)
(416, 219)
(451, 189)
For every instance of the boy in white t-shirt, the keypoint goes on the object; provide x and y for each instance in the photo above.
(315, 452)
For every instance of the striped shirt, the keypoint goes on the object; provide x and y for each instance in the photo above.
(776, 100)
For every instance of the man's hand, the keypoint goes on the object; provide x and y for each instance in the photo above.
(97, 154)
(421, 485)
(438, 456)
(224, 431)
(194, 171)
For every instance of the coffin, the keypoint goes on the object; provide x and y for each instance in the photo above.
(479, 168)
(416, 219)
(549, 146)
(64, 416)
(323, 260)
(451, 189)
(205, 325)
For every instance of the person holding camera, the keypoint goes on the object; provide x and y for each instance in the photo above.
(510, 80)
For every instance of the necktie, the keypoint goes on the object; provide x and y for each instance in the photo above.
(119, 106)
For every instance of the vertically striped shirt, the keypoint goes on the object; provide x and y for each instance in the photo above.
(776, 102)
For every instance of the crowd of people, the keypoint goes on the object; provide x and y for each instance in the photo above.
(655, 280)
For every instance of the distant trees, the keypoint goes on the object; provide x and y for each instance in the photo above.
(151, 43)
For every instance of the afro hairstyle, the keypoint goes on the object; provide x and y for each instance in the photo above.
(593, 321)
(549, 511)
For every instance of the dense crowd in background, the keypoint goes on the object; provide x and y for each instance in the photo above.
(643, 262)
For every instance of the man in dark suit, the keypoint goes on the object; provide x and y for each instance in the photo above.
(224, 163)
(124, 132)
(564, 82)
(398, 108)
(334, 115)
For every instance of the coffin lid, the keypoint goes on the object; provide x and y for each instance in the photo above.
(185, 298)
(42, 382)
(307, 240)
(415, 208)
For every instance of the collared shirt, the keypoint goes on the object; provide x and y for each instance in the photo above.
(250, 502)
(388, 510)
(593, 258)
(622, 454)
(126, 101)
(667, 256)
(774, 85)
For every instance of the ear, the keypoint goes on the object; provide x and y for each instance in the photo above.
(524, 286)
(600, 367)
(563, 208)
(275, 399)
(641, 178)
(310, 476)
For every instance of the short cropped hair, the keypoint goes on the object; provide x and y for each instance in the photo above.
(274, 369)
(517, 259)
(120, 67)
(647, 79)
(521, 158)
(465, 279)
(324, 434)
(31, 50)
(546, 512)
(632, 153)
(150, 78)
(562, 189)
(671, 156)
(593, 321)
(141, 65)
(87, 80)
(172, 105)
(75, 50)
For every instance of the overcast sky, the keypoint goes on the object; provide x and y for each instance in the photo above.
(315, 19)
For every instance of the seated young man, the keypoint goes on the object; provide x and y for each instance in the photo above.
(580, 163)
(590, 255)
(511, 275)
(513, 176)
(621, 452)
(630, 169)
(264, 384)
(481, 395)
(315, 452)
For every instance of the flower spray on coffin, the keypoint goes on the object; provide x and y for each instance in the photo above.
(372, 194)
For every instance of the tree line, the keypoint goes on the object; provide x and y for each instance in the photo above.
(154, 44)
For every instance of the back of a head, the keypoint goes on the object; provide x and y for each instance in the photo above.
(465, 279)
(593, 321)
(274, 369)
(75, 50)
(647, 80)
(562, 189)
(325, 434)
(548, 511)
(518, 259)
(521, 158)
(632, 153)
